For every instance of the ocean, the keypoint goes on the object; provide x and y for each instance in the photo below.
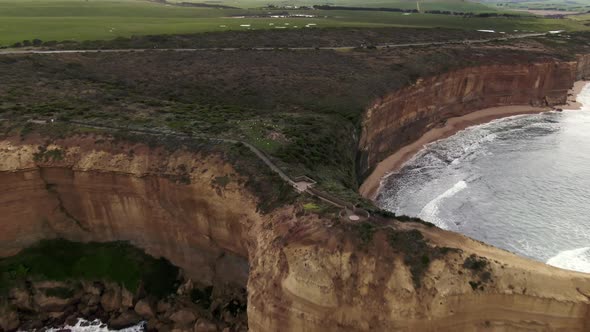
(95, 326)
(520, 183)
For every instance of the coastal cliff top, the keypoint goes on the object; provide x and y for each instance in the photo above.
(301, 108)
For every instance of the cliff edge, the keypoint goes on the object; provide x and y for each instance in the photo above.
(303, 271)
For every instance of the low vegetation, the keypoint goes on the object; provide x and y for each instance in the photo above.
(62, 260)
(302, 108)
(365, 232)
(479, 267)
(45, 155)
(47, 22)
(418, 254)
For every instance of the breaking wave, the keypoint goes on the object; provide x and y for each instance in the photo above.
(96, 326)
(431, 210)
(576, 259)
(528, 181)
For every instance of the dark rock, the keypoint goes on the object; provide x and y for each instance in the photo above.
(88, 311)
(126, 299)
(72, 319)
(183, 318)
(51, 303)
(31, 324)
(9, 320)
(152, 324)
(185, 288)
(21, 299)
(124, 320)
(144, 309)
(112, 298)
(93, 300)
(93, 288)
(204, 325)
(163, 306)
(162, 327)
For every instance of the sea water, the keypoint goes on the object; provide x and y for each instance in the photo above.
(520, 183)
(96, 325)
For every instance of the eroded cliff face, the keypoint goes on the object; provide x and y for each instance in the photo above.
(106, 193)
(306, 272)
(319, 279)
(583, 68)
(404, 115)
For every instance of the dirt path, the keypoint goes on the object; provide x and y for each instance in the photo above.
(339, 48)
(301, 186)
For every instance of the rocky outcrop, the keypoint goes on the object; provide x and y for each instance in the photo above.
(40, 304)
(403, 116)
(306, 272)
(583, 68)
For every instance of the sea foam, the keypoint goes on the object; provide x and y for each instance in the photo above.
(576, 260)
(431, 210)
(96, 326)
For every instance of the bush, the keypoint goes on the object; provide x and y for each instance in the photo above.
(365, 232)
(475, 263)
(418, 254)
(44, 155)
(60, 292)
(62, 260)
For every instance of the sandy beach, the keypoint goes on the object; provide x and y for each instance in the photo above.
(394, 162)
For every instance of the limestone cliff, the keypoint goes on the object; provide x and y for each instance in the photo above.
(583, 68)
(318, 279)
(89, 192)
(404, 115)
(306, 273)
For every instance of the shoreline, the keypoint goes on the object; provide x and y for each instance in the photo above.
(372, 184)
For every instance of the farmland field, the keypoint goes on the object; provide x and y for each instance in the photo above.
(555, 5)
(108, 19)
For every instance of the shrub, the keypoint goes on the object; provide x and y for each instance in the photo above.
(62, 260)
(475, 263)
(60, 292)
(44, 155)
(365, 232)
(418, 254)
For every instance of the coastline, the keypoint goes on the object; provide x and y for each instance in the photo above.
(370, 187)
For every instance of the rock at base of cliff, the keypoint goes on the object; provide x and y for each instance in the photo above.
(183, 318)
(203, 325)
(124, 320)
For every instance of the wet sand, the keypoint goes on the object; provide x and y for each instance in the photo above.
(394, 162)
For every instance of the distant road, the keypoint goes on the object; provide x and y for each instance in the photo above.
(382, 46)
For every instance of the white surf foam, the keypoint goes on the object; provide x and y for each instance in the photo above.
(576, 260)
(431, 210)
(96, 326)
(584, 97)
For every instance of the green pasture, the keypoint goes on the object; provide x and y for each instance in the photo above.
(79, 20)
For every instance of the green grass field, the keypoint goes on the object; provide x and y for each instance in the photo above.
(456, 5)
(565, 5)
(107, 19)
